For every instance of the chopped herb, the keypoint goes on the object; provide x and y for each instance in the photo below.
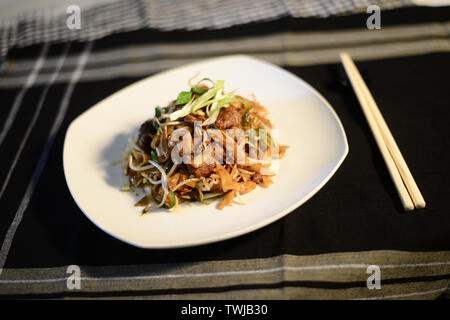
(183, 97)
(155, 124)
(157, 113)
(153, 155)
(199, 90)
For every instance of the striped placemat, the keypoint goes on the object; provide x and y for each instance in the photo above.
(46, 86)
(422, 275)
(295, 48)
(46, 21)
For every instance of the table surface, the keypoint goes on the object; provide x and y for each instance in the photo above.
(320, 250)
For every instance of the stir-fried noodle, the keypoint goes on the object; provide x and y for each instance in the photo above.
(204, 145)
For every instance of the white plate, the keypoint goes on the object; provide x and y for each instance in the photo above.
(306, 123)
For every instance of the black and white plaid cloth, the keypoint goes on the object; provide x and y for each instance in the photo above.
(49, 24)
(323, 249)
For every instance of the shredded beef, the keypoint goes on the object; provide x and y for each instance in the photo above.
(228, 117)
(257, 178)
(144, 140)
(191, 118)
(203, 170)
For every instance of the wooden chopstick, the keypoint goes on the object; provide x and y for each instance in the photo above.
(392, 146)
(404, 182)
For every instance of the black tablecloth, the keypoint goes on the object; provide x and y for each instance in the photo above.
(354, 221)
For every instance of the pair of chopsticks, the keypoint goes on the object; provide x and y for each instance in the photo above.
(407, 189)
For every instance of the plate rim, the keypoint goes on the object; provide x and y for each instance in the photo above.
(236, 233)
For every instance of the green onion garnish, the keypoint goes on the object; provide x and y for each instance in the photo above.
(268, 138)
(199, 90)
(173, 200)
(195, 104)
(210, 195)
(200, 194)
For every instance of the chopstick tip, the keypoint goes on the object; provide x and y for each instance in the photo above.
(420, 205)
(344, 54)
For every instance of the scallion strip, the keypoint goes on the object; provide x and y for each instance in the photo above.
(195, 104)
(210, 195)
(199, 90)
(173, 200)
